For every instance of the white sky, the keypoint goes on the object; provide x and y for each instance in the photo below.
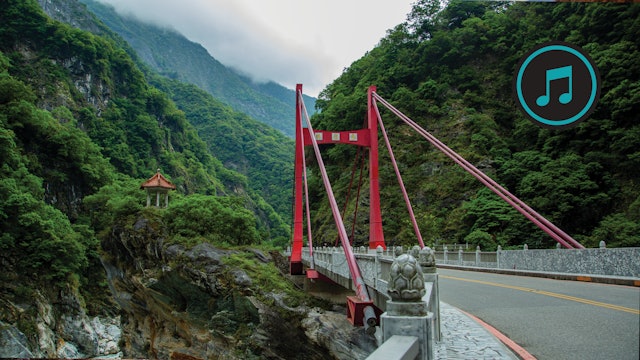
(287, 41)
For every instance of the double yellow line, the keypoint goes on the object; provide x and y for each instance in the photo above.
(547, 293)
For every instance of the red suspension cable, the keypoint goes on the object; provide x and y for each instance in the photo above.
(346, 201)
(355, 210)
(400, 182)
(548, 227)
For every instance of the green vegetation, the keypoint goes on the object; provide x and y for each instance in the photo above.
(269, 279)
(80, 129)
(451, 71)
(252, 149)
(216, 219)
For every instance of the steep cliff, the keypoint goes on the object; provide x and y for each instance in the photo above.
(207, 302)
(174, 301)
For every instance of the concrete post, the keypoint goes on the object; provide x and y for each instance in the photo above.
(407, 313)
(603, 245)
(460, 262)
(478, 255)
(379, 253)
(498, 254)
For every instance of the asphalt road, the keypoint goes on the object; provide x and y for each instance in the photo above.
(551, 319)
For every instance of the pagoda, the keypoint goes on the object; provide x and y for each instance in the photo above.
(159, 186)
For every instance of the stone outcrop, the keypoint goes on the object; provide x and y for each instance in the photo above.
(180, 302)
(177, 302)
(56, 331)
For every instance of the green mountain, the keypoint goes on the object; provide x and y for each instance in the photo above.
(86, 269)
(262, 156)
(451, 71)
(171, 54)
(81, 128)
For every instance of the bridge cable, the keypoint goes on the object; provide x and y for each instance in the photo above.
(400, 182)
(358, 281)
(544, 224)
(355, 210)
(524, 209)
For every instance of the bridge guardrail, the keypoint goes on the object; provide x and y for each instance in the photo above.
(621, 265)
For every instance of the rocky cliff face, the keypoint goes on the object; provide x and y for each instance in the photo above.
(37, 323)
(180, 302)
(177, 302)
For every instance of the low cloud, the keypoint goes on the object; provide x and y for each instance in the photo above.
(287, 41)
(236, 39)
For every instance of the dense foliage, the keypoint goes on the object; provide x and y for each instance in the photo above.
(253, 149)
(257, 160)
(80, 129)
(450, 70)
(38, 238)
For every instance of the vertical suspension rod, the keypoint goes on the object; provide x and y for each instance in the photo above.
(358, 281)
(400, 182)
(544, 224)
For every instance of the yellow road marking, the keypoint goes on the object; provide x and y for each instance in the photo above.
(547, 293)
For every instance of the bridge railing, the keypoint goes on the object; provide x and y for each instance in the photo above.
(610, 262)
(375, 267)
(465, 258)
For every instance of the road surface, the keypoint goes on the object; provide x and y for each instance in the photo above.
(551, 319)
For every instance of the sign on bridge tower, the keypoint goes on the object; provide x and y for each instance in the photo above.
(367, 138)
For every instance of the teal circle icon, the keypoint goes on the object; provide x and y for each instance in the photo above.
(556, 85)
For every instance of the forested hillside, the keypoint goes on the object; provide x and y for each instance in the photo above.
(256, 150)
(81, 129)
(451, 71)
(263, 156)
(172, 55)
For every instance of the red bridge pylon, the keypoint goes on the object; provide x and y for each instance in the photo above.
(367, 138)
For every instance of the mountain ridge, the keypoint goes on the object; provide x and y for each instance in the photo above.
(173, 55)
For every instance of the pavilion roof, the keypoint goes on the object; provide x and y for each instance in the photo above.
(158, 181)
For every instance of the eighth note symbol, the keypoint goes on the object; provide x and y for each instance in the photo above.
(556, 74)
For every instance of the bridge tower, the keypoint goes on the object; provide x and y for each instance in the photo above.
(367, 138)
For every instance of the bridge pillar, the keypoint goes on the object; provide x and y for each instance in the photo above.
(407, 312)
(376, 235)
(409, 319)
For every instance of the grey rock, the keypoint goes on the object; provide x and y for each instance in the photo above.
(174, 251)
(69, 351)
(13, 343)
(241, 278)
(205, 252)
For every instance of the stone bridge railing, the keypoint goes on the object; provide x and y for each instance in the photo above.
(614, 262)
(423, 327)
(375, 267)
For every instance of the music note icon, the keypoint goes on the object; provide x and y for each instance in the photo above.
(556, 74)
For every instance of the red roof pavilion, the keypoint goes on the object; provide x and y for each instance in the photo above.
(157, 184)
(158, 181)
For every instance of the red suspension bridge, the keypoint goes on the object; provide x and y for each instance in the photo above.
(361, 306)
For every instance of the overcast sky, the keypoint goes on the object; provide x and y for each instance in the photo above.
(287, 41)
